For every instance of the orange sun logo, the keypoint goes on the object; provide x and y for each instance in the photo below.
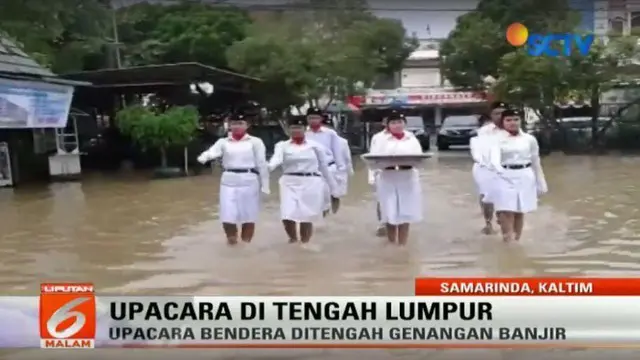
(517, 34)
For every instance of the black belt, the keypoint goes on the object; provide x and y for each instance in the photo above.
(516, 167)
(242, 171)
(404, 167)
(302, 174)
(331, 163)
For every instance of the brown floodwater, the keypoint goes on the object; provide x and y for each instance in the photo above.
(131, 235)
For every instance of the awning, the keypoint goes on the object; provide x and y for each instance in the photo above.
(341, 106)
(165, 74)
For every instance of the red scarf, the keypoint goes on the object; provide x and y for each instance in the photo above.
(398, 135)
(298, 140)
(516, 133)
(237, 135)
(315, 127)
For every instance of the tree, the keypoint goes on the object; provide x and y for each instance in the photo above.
(539, 82)
(536, 82)
(187, 31)
(59, 34)
(598, 72)
(333, 49)
(473, 50)
(153, 130)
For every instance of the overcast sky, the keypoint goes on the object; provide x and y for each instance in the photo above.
(425, 18)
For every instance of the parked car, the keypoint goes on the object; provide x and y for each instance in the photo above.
(415, 124)
(457, 130)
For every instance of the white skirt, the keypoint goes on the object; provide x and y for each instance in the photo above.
(301, 198)
(485, 181)
(400, 196)
(342, 183)
(327, 191)
(239, 198)
(516, 191)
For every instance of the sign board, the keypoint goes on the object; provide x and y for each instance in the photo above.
(30, 104)
(423, 98)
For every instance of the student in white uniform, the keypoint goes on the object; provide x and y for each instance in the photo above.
(304, 168)
(342, 177)
(244, 176)
(398, 187)
(330, 140)
(382, 227)
(483, 175)
(515, 157)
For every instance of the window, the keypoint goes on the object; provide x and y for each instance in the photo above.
(635, 19)
(44, 141)
(616, 25)
(453, 121)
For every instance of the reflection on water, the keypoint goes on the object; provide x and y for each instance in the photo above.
(134, 236)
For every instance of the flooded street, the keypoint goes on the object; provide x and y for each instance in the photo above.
(129, 235)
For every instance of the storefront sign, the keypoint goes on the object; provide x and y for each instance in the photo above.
(424, 98)
(30, 104)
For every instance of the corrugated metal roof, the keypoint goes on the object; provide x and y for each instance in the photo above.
(15, 61)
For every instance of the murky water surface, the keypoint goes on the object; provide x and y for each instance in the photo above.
(130, 235)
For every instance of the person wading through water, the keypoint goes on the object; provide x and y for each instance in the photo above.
(244, 177)
(304, 171)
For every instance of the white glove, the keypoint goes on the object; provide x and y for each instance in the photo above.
(542, 189)
(372, 178)
(202, 159)
(265, 190)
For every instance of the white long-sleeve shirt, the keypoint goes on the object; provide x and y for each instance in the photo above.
(521, 149)
(387, 144)
(330, 140)
(373, 144)
(346, 155)
(308, 157)
(480, 145)
(246, 153)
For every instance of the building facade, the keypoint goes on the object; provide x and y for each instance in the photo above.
(421, 89)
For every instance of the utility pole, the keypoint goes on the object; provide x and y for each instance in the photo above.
(116, 37)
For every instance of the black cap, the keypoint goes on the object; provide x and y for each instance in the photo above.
(315, 111)
(512, 112)
(297, 120)
(482, 118)
(395, 115)
(238, 114)
(498, 104)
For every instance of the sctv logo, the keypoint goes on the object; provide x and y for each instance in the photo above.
(542, 44)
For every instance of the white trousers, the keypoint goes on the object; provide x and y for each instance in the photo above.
(239, 198)
(333, 171)
(516, 191)
(485, 180)
(400, 196)
(301, 197)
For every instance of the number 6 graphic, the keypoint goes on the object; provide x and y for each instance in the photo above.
(66, 312)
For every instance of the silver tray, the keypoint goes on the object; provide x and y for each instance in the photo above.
(375, 157)
(375, 161)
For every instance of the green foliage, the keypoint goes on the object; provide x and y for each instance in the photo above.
(59, 34)
(334, 49)
(188, 31)
(535, 81)
(474, 49)
(176, 126)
